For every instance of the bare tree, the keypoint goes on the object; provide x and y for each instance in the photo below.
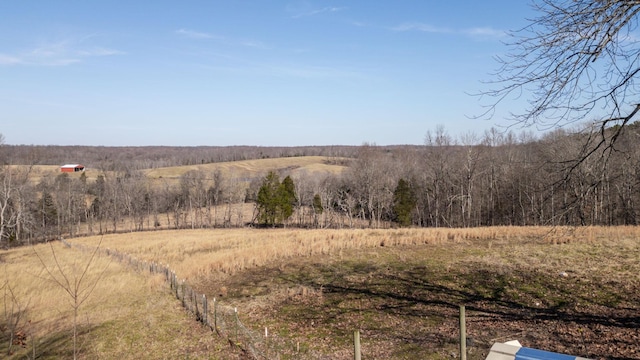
(76, 280)
(578, 60)
(372, 183)
(13, 184)
(437, 189)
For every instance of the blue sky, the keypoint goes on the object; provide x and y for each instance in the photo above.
(247, 72)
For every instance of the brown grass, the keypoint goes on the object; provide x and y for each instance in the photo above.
(244, 169)
(39, 172)
(314, 286)
(205, 253)
(131, 316)
(249, 168)
(125, 315)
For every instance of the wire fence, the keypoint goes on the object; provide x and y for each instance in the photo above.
(222, 319)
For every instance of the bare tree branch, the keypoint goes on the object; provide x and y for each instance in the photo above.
(578, 60)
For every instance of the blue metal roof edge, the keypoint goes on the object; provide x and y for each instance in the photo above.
(535, 354)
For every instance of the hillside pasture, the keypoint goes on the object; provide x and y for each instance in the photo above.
(258, 167)
(569, 290)
(242, 169)
(37, 173)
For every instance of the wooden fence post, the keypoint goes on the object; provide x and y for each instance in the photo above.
(205, 310)
(463, 334)
(195, 305)
(235, 310)
(184, 297)
(356, 345)
(266, 342)
(215, 315)
(175, 283)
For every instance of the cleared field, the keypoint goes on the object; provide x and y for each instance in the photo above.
(244, 169)
(251, 168)
(568, 290)
(38, 172)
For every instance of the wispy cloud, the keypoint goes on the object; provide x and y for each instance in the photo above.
(415, 26)
(198, 35)
(9, 60)
(99, 51)
(477, 32)
(192, 34)
(57, 53)
(254, 44)
(486, 32)
(312, 12)
(358, 23)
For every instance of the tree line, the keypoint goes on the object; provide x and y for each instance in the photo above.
(495, 179)
(131, 158)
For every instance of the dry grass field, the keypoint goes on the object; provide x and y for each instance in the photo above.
(37, 173)
(252, 168)
(561, 289)
(570, 290)
(244, 169)
(121, 314)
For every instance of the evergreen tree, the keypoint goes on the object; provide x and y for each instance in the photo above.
(403, 203)
(317, 208)
(286, 198)
(317, 204)
(47, 210)
(267, 201)
(275, 200)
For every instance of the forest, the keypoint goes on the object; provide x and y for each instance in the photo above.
(494, 179)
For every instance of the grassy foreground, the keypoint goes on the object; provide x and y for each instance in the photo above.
(568, 290)
(121, 314)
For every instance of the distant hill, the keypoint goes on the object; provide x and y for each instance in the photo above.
(243, 169)
(257, 167)
(110, 158)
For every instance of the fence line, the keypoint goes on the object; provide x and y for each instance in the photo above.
(221, 319)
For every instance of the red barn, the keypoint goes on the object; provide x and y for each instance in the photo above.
(72, 168)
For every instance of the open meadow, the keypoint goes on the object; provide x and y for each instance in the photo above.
(119, 313)
(256, 167)
(241, 170)
(570, 290)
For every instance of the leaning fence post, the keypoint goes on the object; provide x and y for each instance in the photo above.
(356, 345)
(463, 334)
